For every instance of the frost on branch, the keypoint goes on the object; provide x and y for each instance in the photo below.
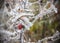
(19, 16)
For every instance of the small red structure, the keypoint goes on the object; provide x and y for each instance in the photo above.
(20, 26)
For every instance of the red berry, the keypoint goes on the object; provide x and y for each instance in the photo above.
(20, 26)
